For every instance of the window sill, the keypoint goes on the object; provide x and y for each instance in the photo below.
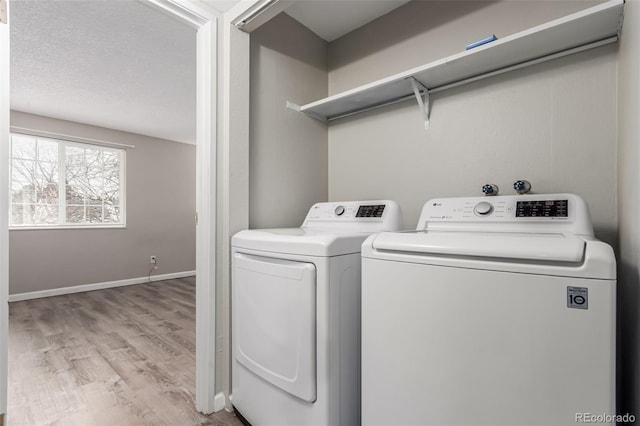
(66, 227)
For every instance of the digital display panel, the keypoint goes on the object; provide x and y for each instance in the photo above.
(542, 208)
(370, 211)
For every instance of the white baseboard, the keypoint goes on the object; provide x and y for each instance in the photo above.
(98, 286)
(219, 401)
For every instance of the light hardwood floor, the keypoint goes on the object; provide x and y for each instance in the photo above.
(121, 356)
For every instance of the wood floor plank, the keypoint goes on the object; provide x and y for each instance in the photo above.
(121, 356)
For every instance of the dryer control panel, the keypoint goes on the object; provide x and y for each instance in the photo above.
(526, 213)
(368, 216)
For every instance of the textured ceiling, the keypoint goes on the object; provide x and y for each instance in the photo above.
(116, 64)
(123, 65)
(331, 19)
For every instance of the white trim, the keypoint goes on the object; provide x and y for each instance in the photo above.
(205, 20)
(254, 12)
(96, 286)
(233, 173)
(66, 227)
(219, 401)
(4, 207)
(68, 138)
(206, 223)
(62, 180)
(251, 14)
(185, 13)
(239, 9)
(123, 188)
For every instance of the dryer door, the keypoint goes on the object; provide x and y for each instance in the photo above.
(274, 321)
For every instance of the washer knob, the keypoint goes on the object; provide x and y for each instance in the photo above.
(490, 189)
(339, 211)
(522, 186)
(483, 208)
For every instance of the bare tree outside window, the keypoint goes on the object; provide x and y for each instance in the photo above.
(56, 182)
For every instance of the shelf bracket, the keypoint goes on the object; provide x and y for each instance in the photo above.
(420, 91)
(295, 107)
(292, 105)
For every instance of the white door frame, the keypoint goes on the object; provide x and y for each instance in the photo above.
(233, 158)
(205, 22)
(4, 212)
(223, 180)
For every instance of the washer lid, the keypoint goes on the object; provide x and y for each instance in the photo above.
(524, 246)
(541, 254)
(301, 241)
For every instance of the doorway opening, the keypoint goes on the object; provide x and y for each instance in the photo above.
(205, 24)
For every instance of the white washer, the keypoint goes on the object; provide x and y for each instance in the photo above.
(496, 311)
(296, 315)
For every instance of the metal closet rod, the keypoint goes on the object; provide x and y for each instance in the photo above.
(535, 61)
(53, 135)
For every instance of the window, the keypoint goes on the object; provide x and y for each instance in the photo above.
(57, 183)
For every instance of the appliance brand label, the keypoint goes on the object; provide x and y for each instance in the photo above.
(578, 297)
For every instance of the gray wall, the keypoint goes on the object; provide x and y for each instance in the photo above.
(287, 151)
(553, 124)
(629, 206)
(160, 178)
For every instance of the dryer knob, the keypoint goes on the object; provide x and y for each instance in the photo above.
(339, 211)
(483, 208)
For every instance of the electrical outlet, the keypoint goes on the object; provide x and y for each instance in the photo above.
(153, 260)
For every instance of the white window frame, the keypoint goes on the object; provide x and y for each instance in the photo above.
(62, 188)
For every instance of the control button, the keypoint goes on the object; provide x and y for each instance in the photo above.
(483, 208)
(339, 210)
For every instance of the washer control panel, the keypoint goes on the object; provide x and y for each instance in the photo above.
(542, 208)
(551, 209)
(499, 207)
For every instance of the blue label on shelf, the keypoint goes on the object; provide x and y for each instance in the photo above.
(486, 40)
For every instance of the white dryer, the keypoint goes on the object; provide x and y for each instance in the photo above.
(496, 311)
(296, 315)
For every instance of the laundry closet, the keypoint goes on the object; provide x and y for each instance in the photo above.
(559, 124)
(553, 124)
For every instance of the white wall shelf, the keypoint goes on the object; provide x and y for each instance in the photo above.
(587, 29)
